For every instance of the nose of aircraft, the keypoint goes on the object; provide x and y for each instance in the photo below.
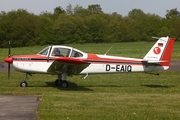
(8, 60)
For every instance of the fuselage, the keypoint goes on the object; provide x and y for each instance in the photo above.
(93, 63)
(97, 64)
(66, 61)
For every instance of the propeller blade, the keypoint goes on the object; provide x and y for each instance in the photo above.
(9, 55)
(9, 49)
(8, 71)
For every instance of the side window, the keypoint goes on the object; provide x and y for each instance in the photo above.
(60, 52)
(76, 54)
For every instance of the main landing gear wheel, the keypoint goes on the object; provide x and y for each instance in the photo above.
(23, 84)
(58, 82)
(65, 84)
(62, 83)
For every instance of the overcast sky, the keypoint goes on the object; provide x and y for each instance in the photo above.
(122, 7)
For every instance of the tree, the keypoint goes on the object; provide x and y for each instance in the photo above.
(59, 10)
(69, 29)
(116, 28)
(80, 11)
(19, 28)
(44, 30)
(134, 13)
(94, 9)
(23, 27)
(3, 29)
(151, 26)
(177, 29)
(69, 9)
(173, 20)
(172, 13)
(96, 28)
(80, 25)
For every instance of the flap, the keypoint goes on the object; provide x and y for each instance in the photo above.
(71, 66)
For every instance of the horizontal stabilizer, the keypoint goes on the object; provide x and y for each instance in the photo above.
(155, 62)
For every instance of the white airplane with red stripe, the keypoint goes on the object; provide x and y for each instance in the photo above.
(70, 61)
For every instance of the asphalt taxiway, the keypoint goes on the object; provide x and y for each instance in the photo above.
(18, 107)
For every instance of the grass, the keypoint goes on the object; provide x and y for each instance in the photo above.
(120, 96)
(107, 96)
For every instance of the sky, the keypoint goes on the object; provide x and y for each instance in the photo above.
(123, 7)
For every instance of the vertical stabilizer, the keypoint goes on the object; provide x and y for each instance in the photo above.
(161, 52)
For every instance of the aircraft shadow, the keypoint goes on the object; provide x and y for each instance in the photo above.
(72, 87)
(158, 86)
(104, 86)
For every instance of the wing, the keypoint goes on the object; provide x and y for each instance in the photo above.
(71, 66)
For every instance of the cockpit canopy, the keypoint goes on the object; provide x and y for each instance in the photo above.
(61, 51)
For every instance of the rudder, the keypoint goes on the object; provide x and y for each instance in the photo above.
(161, 52)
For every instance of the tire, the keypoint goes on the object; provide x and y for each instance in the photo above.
(23, 84)
(57, 82)
(64, 84)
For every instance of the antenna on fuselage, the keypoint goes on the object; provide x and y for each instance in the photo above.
(155, 37)
(108, 50)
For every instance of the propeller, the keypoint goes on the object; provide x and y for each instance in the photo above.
(9, 55)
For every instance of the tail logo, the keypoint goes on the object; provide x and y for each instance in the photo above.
(157, 50)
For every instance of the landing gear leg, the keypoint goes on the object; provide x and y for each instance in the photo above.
(24, 83)
(65, 83)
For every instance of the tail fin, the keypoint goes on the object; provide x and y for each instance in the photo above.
(161, 52)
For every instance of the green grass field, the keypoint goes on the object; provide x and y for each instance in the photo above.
(123, 96)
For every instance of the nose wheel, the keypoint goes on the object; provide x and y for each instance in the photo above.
(24, 83)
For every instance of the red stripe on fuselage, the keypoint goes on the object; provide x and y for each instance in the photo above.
(93, 58)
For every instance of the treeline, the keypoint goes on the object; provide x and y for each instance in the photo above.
(84, 25)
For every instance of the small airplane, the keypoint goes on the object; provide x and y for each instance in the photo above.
(66, 61)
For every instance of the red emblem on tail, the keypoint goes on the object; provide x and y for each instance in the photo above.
(157, 50)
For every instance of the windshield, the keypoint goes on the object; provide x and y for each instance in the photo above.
(44, 51)
(63, 52)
